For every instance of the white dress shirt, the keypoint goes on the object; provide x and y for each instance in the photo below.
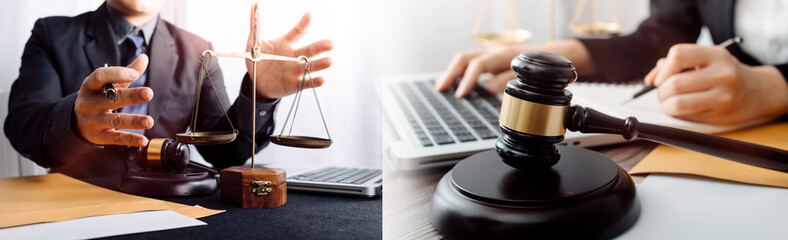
(763, 25)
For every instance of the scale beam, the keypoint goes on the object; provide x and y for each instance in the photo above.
(248, 55)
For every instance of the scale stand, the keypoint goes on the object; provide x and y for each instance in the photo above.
(165, 169)
(221, 137)
(250, 187)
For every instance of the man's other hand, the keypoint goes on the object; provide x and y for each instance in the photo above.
(276, 79)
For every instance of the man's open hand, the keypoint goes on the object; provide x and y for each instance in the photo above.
(276, 79)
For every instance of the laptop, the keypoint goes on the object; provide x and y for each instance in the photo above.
(434, 129)
(354, 181)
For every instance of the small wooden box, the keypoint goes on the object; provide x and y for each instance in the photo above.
(253, 188)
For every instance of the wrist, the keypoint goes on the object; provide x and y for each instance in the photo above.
(776, 99)
(247, 91)
(73, 121)
(263, 97)
(575, 51)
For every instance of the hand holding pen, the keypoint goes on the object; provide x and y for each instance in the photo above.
(728, 44)
(721, 90)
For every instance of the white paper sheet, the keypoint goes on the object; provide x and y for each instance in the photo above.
(685, 207)
(609, 99)
(102, 226)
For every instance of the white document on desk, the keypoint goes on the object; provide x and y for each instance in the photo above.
(685, 207)
(102, 226)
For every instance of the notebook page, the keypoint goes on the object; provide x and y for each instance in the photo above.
(609, 99)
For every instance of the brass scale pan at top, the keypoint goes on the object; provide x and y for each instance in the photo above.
(516, 35)
(221, 137)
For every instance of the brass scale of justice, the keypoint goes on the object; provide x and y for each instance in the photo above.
(192, 136)
(517, 35)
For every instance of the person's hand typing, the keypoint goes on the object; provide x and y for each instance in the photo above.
(93, 111)
(276, 79)
(721, 90)
(470, 64)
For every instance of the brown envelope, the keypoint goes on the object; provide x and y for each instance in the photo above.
(668, 159)
(57, 197)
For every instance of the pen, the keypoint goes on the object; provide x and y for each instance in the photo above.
(727, 44)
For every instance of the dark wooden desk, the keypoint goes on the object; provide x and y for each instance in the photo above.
(304, 216)
(407, 195)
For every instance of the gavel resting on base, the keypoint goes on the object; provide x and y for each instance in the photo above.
(529, 187)
(535, 111)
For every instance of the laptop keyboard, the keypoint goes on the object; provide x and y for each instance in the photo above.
(356, 176)
(440, 118)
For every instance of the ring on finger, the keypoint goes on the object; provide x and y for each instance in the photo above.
(111, 93)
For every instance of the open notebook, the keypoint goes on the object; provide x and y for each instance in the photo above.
(609, 98)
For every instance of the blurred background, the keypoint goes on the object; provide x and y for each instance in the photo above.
(372, 40)
(423, 36)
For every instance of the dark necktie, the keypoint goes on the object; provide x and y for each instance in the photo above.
(134, 46)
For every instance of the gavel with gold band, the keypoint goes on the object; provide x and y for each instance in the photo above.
(530, 187)
(540, 190)
(163, 154)
(536, 111)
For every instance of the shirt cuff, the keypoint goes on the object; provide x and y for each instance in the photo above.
(264, 109)
(784, 70)
(246, 86)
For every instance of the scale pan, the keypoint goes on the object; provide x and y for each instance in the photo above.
(203, 138)
(502, 38)
(592, 28)
(300, 141)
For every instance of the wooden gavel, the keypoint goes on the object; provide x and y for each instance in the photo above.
(536, 112)
(163, 154)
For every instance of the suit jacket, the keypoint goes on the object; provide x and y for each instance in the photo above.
(63, 51)
(630, 57)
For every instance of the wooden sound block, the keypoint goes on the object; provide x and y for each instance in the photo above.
(257, 187)
(584, 196)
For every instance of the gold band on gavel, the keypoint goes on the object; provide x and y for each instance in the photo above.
(154, 153)
(532, 118)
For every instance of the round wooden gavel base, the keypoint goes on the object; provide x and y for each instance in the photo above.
(585, 195)
(190, 181)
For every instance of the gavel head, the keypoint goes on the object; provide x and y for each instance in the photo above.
(533, 110)
(163, 154)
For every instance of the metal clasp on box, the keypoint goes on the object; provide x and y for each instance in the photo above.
(261, 188)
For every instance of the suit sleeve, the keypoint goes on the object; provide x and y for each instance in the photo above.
(784, 70)
(626, 58)
(240, 114)
(40, 125)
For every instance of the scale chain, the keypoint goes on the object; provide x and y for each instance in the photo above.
(297, 102)
(221, 104)
(296, 98)
(197, 94)
(203, 68)
(312, 82)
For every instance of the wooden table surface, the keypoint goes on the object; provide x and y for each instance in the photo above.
(406, 199)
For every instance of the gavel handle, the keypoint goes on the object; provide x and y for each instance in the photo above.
(588, 120)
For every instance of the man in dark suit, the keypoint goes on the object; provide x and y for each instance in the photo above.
(60, 117)
(745, 84)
